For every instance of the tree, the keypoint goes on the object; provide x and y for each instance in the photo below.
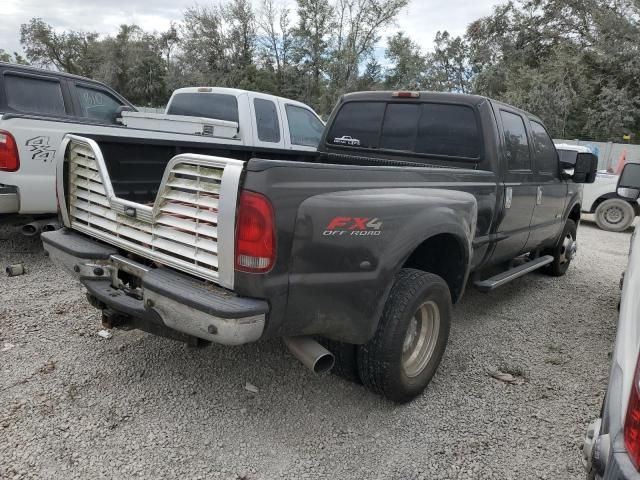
(15, 57)
(73, 52)
(240, 42)
(409, 64)
(311, 43)
(359, 25)
(133, 64)
(202, 57)
(277, 43)
(449, 69)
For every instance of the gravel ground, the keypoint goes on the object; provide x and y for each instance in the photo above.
(75, 405)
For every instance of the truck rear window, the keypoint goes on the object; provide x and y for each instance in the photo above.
(209, 105)
(423, 128)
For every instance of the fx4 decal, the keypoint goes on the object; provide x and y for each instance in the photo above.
(40, 148)
(353, 226)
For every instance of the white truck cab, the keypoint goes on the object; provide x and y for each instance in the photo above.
(263, 120)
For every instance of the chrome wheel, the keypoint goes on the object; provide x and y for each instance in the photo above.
(420, 339)
(568, 249)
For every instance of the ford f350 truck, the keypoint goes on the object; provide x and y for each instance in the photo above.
(364, 246)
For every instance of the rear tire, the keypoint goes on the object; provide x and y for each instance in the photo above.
(561, 255)
(404, 353)
(615, 215)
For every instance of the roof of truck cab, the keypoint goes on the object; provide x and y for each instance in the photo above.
(424, 95)
(463, 98)
(44, 71)
(237, 92)
(18, 67)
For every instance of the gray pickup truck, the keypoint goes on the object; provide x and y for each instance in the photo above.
(354, 254)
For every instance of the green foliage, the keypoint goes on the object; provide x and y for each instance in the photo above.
(574, 64)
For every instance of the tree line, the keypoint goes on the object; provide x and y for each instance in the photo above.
(574, 64)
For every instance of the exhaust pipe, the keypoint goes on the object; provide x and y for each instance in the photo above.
(34, 228)
(51, 226)
(312, 355)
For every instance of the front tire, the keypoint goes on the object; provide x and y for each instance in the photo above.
(615, 215)
(403, 355)
(564, 251)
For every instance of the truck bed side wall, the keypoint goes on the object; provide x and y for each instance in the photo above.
(344, 231)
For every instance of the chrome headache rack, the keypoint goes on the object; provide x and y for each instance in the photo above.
(190, 225)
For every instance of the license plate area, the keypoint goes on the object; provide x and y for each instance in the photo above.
(127, 275)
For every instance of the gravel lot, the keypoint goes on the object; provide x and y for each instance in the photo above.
(75, 405)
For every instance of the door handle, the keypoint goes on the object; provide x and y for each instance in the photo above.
(508, 197)
(539, 196)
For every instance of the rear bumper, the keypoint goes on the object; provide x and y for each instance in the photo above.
(619, 467)
(9, 199)
(168, 298)
(605, 459)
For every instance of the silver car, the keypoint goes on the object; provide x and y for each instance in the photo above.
(612, 444)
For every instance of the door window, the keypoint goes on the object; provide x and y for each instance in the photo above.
(517, 145)
(266, 120)
(97, 104)
(546, 155)
(304, 127)
(34, 95)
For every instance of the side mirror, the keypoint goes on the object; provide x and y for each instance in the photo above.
(584, 171)
(629, 182)
(119, 110)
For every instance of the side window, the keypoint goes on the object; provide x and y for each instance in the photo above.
(357, 124)
(266, 120)
(400, 126)
(517, 145)
(34, 95)
(97, 104)
(304, 127)
(546, 155)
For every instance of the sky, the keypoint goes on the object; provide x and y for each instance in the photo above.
(420, 20)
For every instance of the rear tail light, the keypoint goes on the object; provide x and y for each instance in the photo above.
(9, 159)
(255, 234)
(632, 420)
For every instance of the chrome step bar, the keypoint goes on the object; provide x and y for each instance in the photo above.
(511, 274)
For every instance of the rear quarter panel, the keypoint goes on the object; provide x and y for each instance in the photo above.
(344, 231)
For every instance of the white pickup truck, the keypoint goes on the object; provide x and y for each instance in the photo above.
(38, 107)
(612, 212)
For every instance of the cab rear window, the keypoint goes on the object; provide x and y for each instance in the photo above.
(420, 128)
(209, 105)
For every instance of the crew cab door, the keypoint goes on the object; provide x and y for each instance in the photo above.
(551, 194)
(520, 187)
(266, 121)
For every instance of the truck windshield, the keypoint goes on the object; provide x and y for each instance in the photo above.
(209, 105)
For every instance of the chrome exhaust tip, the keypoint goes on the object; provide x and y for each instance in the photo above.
(312, 355)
